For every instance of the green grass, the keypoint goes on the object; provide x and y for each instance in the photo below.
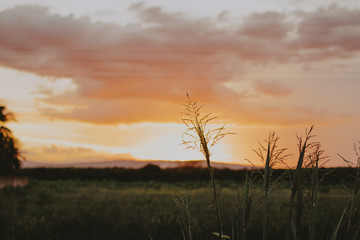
(117, 210)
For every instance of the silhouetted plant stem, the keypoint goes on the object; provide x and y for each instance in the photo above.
(266, 193)
(212, 180)
(201, 138)
(183, 206)
(297, 190)
(314, 193)
(243, 206)
(274, 155)
(248, 192)
(354, 192)
(216, 203)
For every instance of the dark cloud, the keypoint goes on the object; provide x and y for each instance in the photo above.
(332, 27)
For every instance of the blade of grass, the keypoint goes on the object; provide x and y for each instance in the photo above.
(335, 233)
(149, 236)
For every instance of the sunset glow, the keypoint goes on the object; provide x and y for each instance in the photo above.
(96, 82)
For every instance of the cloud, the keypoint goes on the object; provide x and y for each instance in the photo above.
(155, 14)
(105, 111)
(272, 88)
(57, 153)
(282, 115)
(268, 25)
(140, 71)
(331, 27)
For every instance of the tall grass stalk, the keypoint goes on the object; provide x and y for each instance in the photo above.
(314, 158)
(244, 205)
(297, 189)
(354, 192)
(199, 137)
(267, 172)
(248, 194)
(270, 156)
(183, 206)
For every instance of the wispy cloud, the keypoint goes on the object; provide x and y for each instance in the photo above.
(60, 154)
(273, 88)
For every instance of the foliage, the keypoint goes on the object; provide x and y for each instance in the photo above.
(9, 152)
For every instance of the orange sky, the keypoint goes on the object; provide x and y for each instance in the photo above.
(99, 82)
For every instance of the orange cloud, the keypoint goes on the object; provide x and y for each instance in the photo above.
(56, 154)
(128, 111)
(272, 88)
(140, 72)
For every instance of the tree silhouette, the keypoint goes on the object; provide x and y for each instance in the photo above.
(9, 152)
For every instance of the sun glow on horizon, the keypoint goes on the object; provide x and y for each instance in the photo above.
(89, 83)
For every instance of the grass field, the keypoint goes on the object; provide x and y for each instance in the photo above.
(77, 210)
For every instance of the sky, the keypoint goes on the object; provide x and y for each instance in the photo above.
(97, 81)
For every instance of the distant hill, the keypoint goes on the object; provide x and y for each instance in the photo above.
(135, 164)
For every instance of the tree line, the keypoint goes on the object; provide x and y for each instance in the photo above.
(154, 173)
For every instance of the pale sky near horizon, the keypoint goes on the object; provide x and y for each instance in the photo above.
(93, 81)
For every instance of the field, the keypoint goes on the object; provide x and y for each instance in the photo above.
(78, 209)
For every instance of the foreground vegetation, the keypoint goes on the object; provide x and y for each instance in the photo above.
(77, 209)
(292, 203)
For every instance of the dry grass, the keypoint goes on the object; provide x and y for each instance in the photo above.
(270, 155)
(200, 137)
